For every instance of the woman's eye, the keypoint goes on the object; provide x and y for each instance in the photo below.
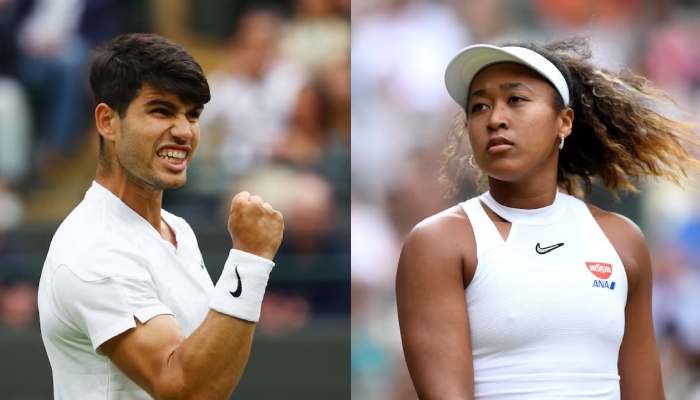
(478, 107)
(515, 99)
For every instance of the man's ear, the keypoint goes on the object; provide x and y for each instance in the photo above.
(107, 121)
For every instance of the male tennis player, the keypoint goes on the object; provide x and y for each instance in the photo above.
(127, 309)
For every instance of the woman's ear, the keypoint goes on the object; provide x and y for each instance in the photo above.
(567, 122)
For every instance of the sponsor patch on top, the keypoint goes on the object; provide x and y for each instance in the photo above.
(601, 270)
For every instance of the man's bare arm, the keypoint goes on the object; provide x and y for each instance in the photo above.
(207, 365)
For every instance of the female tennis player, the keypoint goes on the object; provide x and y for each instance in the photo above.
(527, 292)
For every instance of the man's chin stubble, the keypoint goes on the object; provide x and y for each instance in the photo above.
(153, 181)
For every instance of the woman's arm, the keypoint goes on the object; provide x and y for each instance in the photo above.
(638, 362)
(432, 308)
(639, 366)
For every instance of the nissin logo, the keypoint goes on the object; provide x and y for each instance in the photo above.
(601, 270)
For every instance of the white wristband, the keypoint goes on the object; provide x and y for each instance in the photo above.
(241, 287)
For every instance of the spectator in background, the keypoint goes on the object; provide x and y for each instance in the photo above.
(15, 115)
(15, 132)
(613, 26)
(17, 293)
(676, 300)
(53, 59)
(44, 47)
(317, 138)
(17, 286)
(310, 217)
(334, 78)
(18, 303)
(398, 104)
(316, 35)
(252, 96)
(487, 21)
(304, 142)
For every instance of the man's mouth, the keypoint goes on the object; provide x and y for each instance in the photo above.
(172, 155)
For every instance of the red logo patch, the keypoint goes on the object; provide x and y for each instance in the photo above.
(601, 270)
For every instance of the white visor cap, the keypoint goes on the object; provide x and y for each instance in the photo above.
(467, 63)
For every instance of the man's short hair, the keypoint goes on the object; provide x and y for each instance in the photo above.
(128, 62)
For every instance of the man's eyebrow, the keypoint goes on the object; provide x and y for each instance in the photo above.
(161, 102)
(170, 105)
(507, 85)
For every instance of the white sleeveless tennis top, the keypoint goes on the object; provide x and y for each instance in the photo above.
(546, 307)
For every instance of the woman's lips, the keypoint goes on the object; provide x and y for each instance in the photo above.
(499, 148)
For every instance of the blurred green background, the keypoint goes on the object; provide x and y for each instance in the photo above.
(278, 125)
(401, 115)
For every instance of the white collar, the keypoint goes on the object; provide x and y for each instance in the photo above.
(538, 216)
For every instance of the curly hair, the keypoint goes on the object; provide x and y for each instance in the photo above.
(619, 134)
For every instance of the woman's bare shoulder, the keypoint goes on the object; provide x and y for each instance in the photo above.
(618, 225)
(627, 239)
(442, 241)
(446, 226)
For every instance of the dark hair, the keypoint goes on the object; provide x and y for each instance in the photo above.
(618, 134)
(128, 62)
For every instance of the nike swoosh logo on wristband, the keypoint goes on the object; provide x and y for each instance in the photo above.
(239, 290)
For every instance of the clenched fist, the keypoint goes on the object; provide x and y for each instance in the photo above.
(255, 227)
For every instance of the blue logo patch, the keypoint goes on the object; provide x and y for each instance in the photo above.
(604, 284)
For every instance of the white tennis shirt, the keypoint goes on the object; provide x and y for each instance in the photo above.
(105, 266)
(546, 306)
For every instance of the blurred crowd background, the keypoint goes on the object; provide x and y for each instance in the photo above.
(278, 125)
(401, 114)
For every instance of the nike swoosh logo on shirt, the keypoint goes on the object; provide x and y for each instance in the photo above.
(545, 250)
(239, 290)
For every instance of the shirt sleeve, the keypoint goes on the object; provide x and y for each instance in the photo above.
(105, 308)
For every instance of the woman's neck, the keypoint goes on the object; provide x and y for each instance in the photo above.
(525, 196)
